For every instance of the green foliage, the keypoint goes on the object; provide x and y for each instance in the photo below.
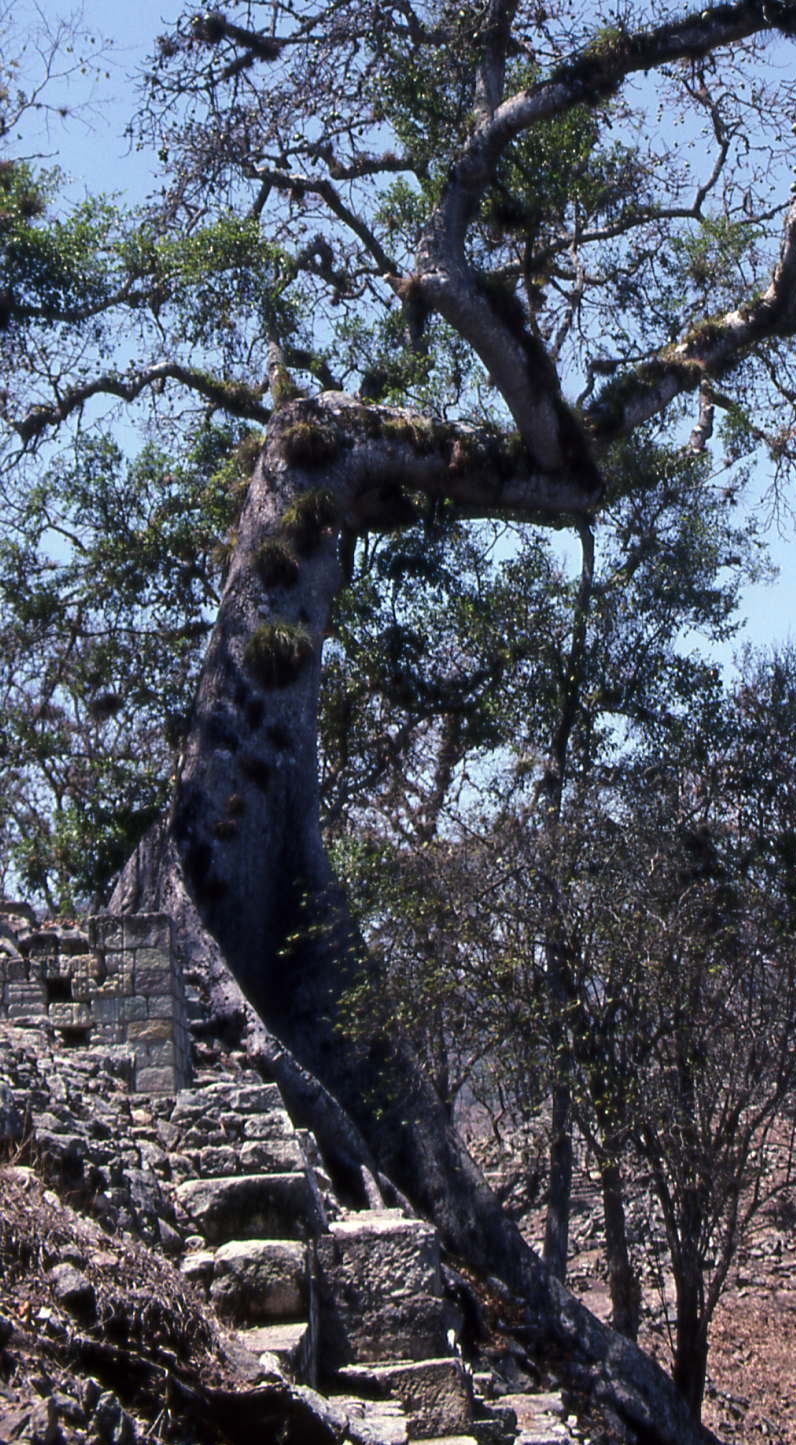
(427, 94)
(437, 377)
(709, 258)
(435, 960)
(211, 277)
(204, 292)
(417, 639)
(48, 268)
(548, 171)
(231, 472)
(70, 857)
(566, 844)
(457, 671)
(107, 588)
(402, 210)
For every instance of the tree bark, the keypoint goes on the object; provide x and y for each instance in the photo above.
(559, 1198)
(691, 1337)
(240, 864)
(622, 1278)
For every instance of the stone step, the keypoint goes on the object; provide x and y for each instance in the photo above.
(382, 1422)
(493, 1424)
(280, 1154)
(259, 1281)
(380, 1291)
(450, 1440)
(544, 1433)
(250, 1206)
(541, 1419)
(286, 1348)
(218, 1098)
(435, 1394)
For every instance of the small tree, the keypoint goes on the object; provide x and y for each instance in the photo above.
(682, 1007)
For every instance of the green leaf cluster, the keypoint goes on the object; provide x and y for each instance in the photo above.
(212, 279)
(108, 586)
(52, 268)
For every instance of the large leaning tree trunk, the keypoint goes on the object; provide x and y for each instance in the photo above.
(240, 863)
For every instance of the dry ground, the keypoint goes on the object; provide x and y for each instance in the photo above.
(751, 1394)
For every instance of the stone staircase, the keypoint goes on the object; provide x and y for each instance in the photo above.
(386, 1330)
(350, 1301)
(251, 1211)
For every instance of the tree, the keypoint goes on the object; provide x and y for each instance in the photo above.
(537, 686)
(691, 921)
(618, 672)
(674, 903)
(443, 188)
(109, 574)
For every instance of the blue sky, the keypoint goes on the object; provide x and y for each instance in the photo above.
(90, 142)
(91, 147)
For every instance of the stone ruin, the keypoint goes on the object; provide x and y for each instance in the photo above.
(114, 986)
(207, 1167)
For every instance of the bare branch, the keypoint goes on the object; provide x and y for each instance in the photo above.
(444, 279)
(367, 165)
(236, 398)
(587, 78)
(711, 349)
(292, 182)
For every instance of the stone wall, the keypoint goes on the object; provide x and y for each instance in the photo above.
(114, 987)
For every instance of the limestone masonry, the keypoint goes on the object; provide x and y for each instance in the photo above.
(114, 986)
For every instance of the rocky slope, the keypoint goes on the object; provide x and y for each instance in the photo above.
(179, 1268)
